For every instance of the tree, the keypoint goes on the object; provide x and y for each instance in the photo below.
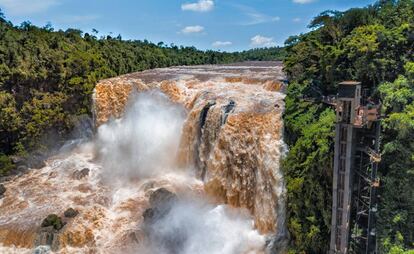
(374, 45)
(2, 16)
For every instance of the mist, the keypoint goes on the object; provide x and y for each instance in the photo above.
(193, 226)
(144, 142)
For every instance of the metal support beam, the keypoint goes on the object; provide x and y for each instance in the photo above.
(355, 179)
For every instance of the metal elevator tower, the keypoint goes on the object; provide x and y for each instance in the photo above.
(355, 179)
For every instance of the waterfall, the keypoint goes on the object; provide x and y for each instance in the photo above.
(211, 136)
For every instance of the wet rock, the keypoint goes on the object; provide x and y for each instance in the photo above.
(71, 213)
(204, 112)
(22, 169)
(227, 109)
(48, 234)
(147, 185)
(2, 190)
(37, 163)
(37, 160)
(161, 202)
(52, 220)
(19, 170)
(22, 164)
(5, 179)
(148, 215)
(47, 238)
(79, 174)
(18, 160)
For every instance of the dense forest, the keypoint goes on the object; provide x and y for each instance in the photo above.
(47, 78)
(374, 45)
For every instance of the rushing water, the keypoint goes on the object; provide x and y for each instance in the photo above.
(210, 134)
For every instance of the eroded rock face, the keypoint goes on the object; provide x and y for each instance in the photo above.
(233, 132)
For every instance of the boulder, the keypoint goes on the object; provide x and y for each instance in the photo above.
(52, 220)
(2, 190)
(18, 160)
(79, 174)
(71, 213)
(22, 169)
(37, 160)
(37, 163)
(148, 215)
(162, 198)
(161, 202)
(19, 170)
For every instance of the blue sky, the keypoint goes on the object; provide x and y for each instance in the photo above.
(227, 25)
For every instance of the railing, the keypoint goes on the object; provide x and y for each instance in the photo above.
(366, 115)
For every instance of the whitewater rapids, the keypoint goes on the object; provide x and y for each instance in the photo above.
(210, 134)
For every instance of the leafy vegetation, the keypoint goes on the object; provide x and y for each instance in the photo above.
(309, 209)
(6, 164)
(262, 54)
(374, 45)
(52, 220)
(47, 77)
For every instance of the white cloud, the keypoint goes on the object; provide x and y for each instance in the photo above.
(219, 44)
(200, 6)
(262, 41)
(24, 7)
(303, 1)
(255, 17)
(192, 29)
(297, 20)
(259, 18)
